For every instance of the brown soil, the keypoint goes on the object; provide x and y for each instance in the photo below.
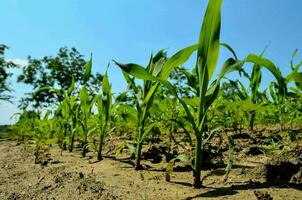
(64, 175)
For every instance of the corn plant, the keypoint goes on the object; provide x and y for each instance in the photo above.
(170, 116)
(74, 112)
(281, 94)
(66, 114)
(124, 118)
(24, 126)
(207, 55)
(41, 134)
(86, 104)
(144, 98)
(104, 102)
(255, 81)
(70, 112)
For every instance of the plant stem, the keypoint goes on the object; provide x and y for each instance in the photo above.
(197, 162)
(139, 148)
(100, 146)
(138, 155)
(71, 142)
(252, 121)
(84, 146)
(64, 146)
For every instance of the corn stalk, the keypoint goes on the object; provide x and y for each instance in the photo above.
(86, 104)
(144, 97)
(104, 102)
(207, 55)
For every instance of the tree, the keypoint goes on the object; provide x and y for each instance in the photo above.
(55, 72)
(4, 74)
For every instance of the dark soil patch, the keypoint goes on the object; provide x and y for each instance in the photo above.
(285, 168)
(263, 195)
(241, 136)
(254, 151)
(155, 154)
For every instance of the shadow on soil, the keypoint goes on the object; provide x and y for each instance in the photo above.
(232, 190)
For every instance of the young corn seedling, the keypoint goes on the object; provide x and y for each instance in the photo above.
(66, 113)
(74, 114)
(104, 103)
(24, 126)
(144, 98)
(70, 113)
(256, 96)
(255, 81)
(41, 135)
(281, 94)
(86, 104)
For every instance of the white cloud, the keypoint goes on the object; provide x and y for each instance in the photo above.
(18, 61)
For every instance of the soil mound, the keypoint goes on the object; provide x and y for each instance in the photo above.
(285, 168)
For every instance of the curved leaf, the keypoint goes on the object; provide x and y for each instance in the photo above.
(208, 45)
(178, 59)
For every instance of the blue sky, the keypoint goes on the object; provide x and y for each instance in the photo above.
(129, 30)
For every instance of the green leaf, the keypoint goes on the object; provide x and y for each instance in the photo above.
(100, 104)
(137, 71)
(230, 49)
(178, 59)
(294, 53)
(147, 131)
(267, 64)
(48, 88)
(207, 54)
(87, 72)
(208, 45)
(71, 87)
(183, 158)
(194, 102)
(229, 66)
(84, 98)
(106, 84)
(47, 115)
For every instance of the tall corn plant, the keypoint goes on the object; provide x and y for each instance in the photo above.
(144, 97)
(86, 104)
(206, 90)
(104, 102)
(207, 56)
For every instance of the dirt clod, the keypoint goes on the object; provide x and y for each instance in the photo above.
(285, 168)
(263, 195)
(254, 151)
(90, 184)
(81, 175)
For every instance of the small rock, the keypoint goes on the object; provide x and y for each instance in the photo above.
(81, 175)
(263, 195)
